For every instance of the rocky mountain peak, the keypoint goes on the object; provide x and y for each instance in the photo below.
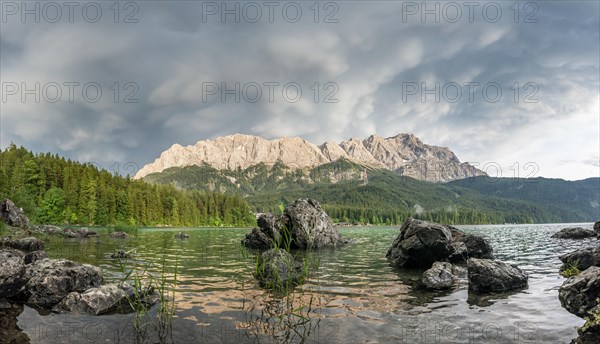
(405, 154)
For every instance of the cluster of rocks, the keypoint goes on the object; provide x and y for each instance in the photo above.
(83, 232)
(578, 232)
(580, 294)
(28, 276)
(303, 225)
(435, 247)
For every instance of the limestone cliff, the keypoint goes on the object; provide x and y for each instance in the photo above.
(403, 153)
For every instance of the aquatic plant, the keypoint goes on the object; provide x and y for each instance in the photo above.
(592, 321)
(571, 270)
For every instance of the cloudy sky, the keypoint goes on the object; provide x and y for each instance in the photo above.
(498, 83)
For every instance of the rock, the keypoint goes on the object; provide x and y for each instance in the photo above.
(477, 247)
(582, 258)
(12, 273)
(574, 233)
(578, 294)
(303, 223)
(589, 335)
(86, 233)
(34, 256)
(310, 226)
(108, 299)
(460, 252)
(48, 229)
(120, 255)
(12, 215)
(181, 236)
(50, 280)
(70, 233)
(277, 269)
(486, 275)
(442, 275)
(404, 154)
(420, 244)
(597, 228)
(24, 244)
(118, 235)
(10, 332)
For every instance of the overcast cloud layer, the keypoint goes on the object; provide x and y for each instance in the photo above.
(371, 59)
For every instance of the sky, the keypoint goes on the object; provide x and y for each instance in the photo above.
(513, 88)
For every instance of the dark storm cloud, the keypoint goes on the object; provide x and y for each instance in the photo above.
(371, 55)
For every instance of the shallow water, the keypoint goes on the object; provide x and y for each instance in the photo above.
(353, 295)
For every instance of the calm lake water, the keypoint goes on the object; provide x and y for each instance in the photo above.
(352, 297)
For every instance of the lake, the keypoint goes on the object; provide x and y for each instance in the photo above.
(353, 295)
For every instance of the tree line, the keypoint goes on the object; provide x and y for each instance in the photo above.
(55, 190)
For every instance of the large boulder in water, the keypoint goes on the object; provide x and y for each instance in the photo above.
(51, 280)
(12, 272)
(278, 270)
(582, 258)
(579, 294)
(107, 299)
(574, 233)
(477, 247)
(492, 276)
(420, 244)
(13, 215)
(304, 225)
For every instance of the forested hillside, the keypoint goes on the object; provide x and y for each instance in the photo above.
(353, 193)
(53, 190)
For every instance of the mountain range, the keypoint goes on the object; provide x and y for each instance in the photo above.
(404, 154)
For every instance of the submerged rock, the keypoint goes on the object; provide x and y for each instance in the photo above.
(492, 276)
(120, 254)
(12, 273)
(574, 233)
(442, 275)
(10, 332)
(420, 244)
(582, 258)
(24, 244)
(50, 280)
(107, 299)
(304, 225)
(118, 235)
(277, 269)
(181, 236)
(579, 294)
(13, 215)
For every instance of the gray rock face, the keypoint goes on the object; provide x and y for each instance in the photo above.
(12, 272)
(477, 247)
(578, 294)
(442, 275)
(490, 276)
(118, 235)
(304, 223)
(404, 153)
(24, 244)
(13, 215)
(277, 269)
(107, 299)
(34, 256)
(420, 244)
(310, 226)
(597, 228)
(574, 233)
(583, 258)
(50, 280)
